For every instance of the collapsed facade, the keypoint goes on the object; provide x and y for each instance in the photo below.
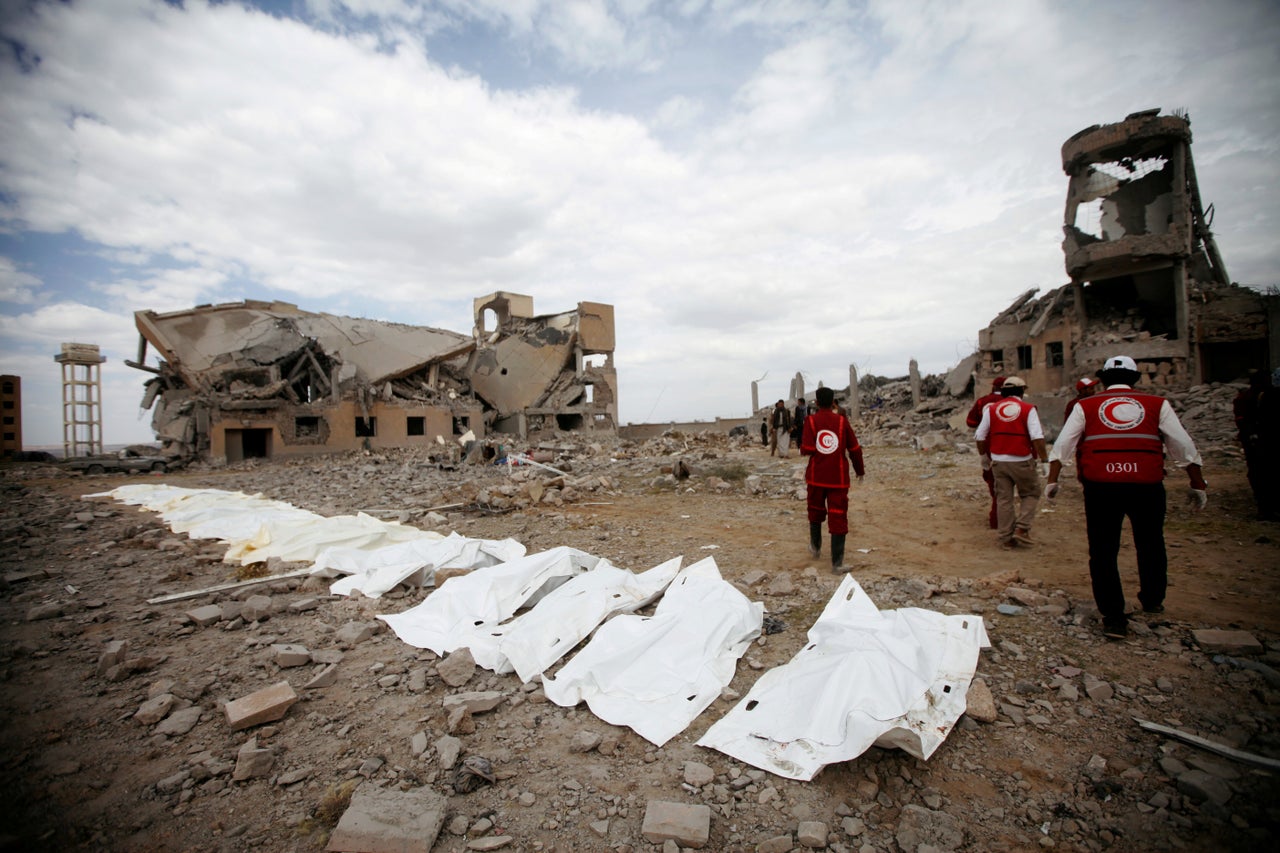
(266, 379)
(1146, 275)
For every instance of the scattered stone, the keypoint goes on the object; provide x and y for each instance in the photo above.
(354, 633)
(686, 824)
(113, 654)
(293, 777)
(979, 703)
(475, 702)
(209, 614)
(324, 678)
(493, 842)
(698, 774)
(448, 748)
(1201, 786)
(288, 655)
(1099, 691)
(302, 605)
(179, 722)
(261, 706)
(918, 826)
(777, 844)
(45, 611)
(418, 743)
(1217, 641)
(1010, 610)
(386, 820)
(155, 709)
(327, 656)
(457, 669)
(256, 608)
(812, 834)
(584, 741)
(252, 762)
(599, 827)
(1026, 597)
(370, 766)
(459, 721)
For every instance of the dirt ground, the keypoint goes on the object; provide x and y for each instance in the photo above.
(1063, 765)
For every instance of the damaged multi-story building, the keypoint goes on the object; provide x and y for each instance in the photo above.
(266, 379)
(1147, 279)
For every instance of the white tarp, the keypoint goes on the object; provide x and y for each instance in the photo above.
(896, 678)
(376, 571)
(447, 619)
(536, 639)
(656, 674)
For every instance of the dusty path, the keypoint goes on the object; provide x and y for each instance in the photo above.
(1059, 767)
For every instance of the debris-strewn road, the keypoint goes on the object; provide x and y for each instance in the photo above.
(133, 751)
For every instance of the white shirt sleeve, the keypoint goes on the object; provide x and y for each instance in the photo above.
(1064, 449)
(1176, 439)
(984, 428)
(1034, 430)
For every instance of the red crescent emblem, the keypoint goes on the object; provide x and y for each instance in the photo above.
(828, 442)
(1121, 413)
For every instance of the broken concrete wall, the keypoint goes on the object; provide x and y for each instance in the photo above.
(1147, 279)
(261, 379)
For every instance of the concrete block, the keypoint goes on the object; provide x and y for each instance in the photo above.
(324, 678)
(302, 605)
(389, 821)
(1201, 786)
(684, 823)
(256, 607)
(252, 762)
(812, 834)
(777, 844)
(261, 706)
(155, 709)
(476, 702)
(179, 722)
(113, 654)
(210, 614)
(290, 654)
(979, 703)
(354, 633)
(1217, 641)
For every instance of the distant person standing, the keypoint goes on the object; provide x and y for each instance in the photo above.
(797, 421)
(972, 420)
(1010, 434)
(830, 444)
(779, 430)
(1250, 409)
(1087, 386)
(1123, 436)
(764, 432)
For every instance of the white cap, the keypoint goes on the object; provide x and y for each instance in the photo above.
(1014, 382)
(1120, 362)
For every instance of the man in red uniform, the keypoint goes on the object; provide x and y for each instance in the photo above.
(831, 445)
(1010, 435)
(972, 420)
(1124, 435)
(1086, 387)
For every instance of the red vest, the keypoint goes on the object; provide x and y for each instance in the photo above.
(1121, 441)
(1008, 421)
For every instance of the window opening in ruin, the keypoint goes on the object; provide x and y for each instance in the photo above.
(1053, 356)
(602, 421)
(588, 394)
(366, 427)
(8, 388)
(1024, 357)
(415, 425)
(248, 444)
(8, 436)
(1125, 197)
(1231, 360)
(1133, 303)
(489, 321)
(595, 361)
(306, 427)
(8, 419)
(994, 356)
(569, 423)
(461, 423)
(8, 404)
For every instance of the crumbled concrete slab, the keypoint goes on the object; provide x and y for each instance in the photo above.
(457, 669)
(209, 614)
(179, 722)
(476, 702)
(687, 824)
(1218, 641)
(261, 706)
(155, 709)
(383, 821)
(252, 762)
(290, 654)
(113, 654)
(324, 678)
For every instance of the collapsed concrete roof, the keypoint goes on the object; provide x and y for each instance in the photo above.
(267, 378)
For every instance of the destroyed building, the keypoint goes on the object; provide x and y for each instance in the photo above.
(266, 379)
(1147, 279)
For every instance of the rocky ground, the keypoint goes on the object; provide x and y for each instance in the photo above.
(134, 752)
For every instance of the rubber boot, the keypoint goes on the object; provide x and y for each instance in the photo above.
(815, 538)
(837, 553)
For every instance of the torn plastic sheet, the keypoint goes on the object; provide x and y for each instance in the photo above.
(895, 678)
(488, 596)
(376, 571)
(656, 674)
(536, 639)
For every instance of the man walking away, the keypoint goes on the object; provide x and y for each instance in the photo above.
(779, 430)
(831, 445)
(972, 420)
(1123, 436)
(1010, 434)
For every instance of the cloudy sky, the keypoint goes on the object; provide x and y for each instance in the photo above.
(759, 186)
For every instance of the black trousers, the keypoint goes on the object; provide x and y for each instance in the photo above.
(1105, 507)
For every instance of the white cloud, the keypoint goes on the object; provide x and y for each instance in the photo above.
(883, 179)
(16, 286)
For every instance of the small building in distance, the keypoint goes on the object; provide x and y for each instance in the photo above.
(267, 379)
(1147, 279)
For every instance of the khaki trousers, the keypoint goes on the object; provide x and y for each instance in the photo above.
(1024, 478)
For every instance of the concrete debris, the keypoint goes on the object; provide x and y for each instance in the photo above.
(379, 820)
(686, 824)
(261, 706)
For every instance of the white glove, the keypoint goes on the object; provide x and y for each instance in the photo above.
(1198, 499)
(1051, 491)
(1044, 469)
(986, 462)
